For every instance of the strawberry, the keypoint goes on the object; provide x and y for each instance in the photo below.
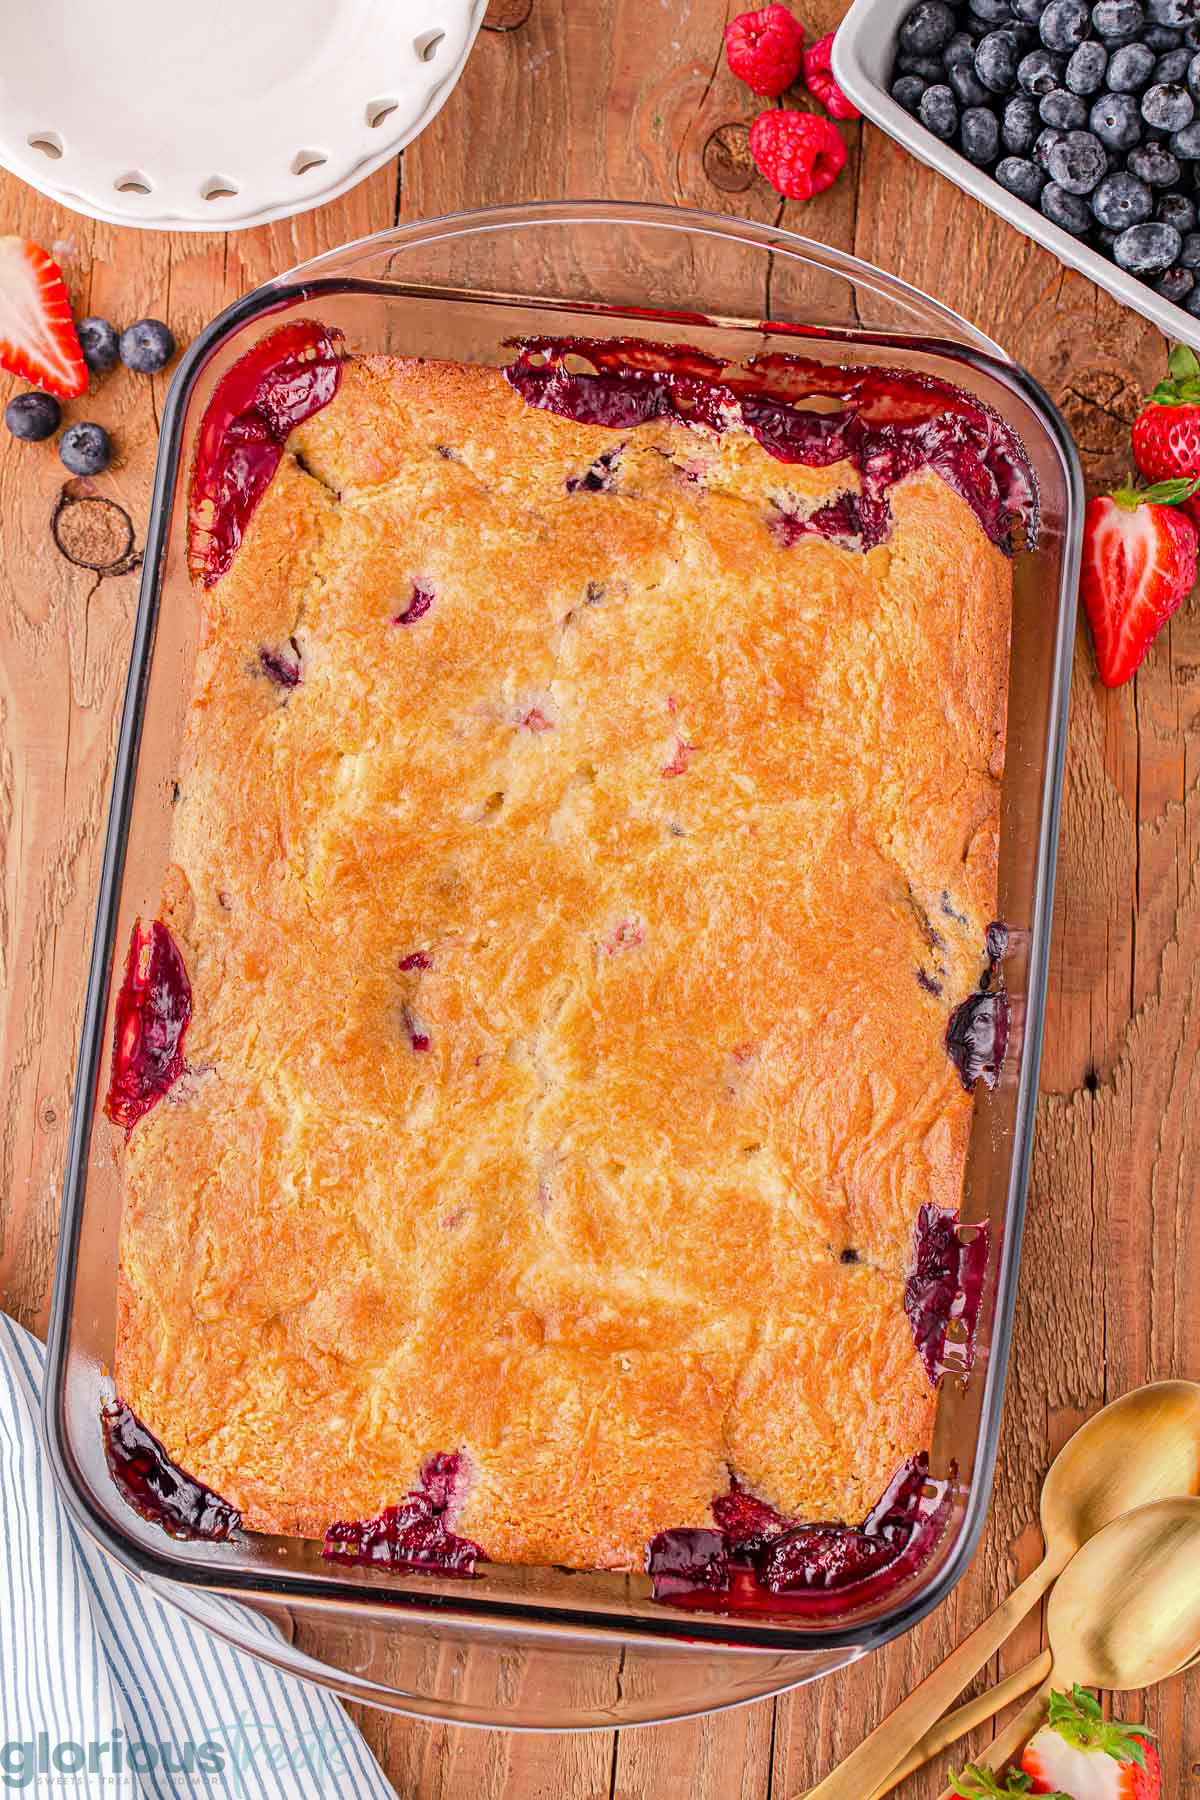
(976, 1783)
(1166, 433)
(37, 332)
(1091, 1758)
(1139, 560)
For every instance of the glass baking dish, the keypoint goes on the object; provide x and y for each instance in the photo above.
(550, 1648)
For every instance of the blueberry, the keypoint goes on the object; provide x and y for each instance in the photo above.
(1172, 65)
(1116, 120)
(1193, 75)
(1186, 143)
(149, 345)
(1167, 106)
(938, 112)
(996, 59)
(85, 449)
(1104, 239)
(960, 49)
(1122, 200)
(1118, 21)
(968, 89)
(1039, 72)
(1077, 162)
(1175, 284)
(1189, 254)
(1160, 38)
(1066, 112)
(1192, 303)
(1147, 249)
(1020, 125)
(1022, 178)
(1064, 24)
(99, 344)
(992, 12)
(1028, 11)
(907, 91)
(32, 416)
(979, 136)
(1045, 143)
(1065, 209)
(1086, 68)
(1175, 13)
(1153, 165)
(928, 26)
(929, 68)
(1191, 35)
(1130, 68)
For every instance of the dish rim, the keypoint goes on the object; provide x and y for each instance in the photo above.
(731, 1631)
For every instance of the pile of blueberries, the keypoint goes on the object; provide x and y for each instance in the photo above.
(1090, 113)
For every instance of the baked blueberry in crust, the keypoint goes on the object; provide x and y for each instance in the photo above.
(570, 948)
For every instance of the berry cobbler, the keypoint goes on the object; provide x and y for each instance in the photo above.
(547, 1082)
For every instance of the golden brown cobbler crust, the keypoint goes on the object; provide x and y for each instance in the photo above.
(674, 812)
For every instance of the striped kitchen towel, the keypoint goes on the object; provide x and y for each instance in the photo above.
(106, 1690)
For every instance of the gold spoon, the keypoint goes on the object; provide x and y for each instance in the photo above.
(1093, 1588)
(1125, 1615)
(1142, 1447)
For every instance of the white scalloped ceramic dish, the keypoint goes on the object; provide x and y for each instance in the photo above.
(184, 117)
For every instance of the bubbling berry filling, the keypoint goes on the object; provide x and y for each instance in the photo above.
(891, 423)
(419, 603)
(412, 1536)
(758, 1561)
(152, 1013)
(157, 1488)
(289, 375)
(945, 1287)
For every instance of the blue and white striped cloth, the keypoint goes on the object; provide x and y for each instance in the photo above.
(105, 1690)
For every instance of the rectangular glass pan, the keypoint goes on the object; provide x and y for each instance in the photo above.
(460, 288)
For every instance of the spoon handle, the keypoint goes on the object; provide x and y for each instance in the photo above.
(964, 1719)
(1014, 1738)
(877, 1755)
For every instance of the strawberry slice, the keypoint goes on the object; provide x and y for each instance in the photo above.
(1080, 1752)
(977, 1783)
(1139, 560)
(37, 332)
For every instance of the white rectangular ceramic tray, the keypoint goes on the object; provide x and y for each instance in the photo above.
(864, 52)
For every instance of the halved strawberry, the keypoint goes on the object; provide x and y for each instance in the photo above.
(37, 332)
(1166, 433)
(1139, 560)
(1080, 1752)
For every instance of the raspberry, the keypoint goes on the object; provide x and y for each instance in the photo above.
(764, 49)
(818, 78)
(799, 153)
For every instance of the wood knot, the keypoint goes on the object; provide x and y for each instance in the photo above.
(1099, 406)
(93, 532)
(506, 15)
(727, 159)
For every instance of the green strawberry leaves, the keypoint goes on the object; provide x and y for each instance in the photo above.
(976, 1783)
(1078, 1720)
(1162, 493)
(1183, 387)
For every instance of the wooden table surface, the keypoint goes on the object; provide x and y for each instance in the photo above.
(631, 99)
